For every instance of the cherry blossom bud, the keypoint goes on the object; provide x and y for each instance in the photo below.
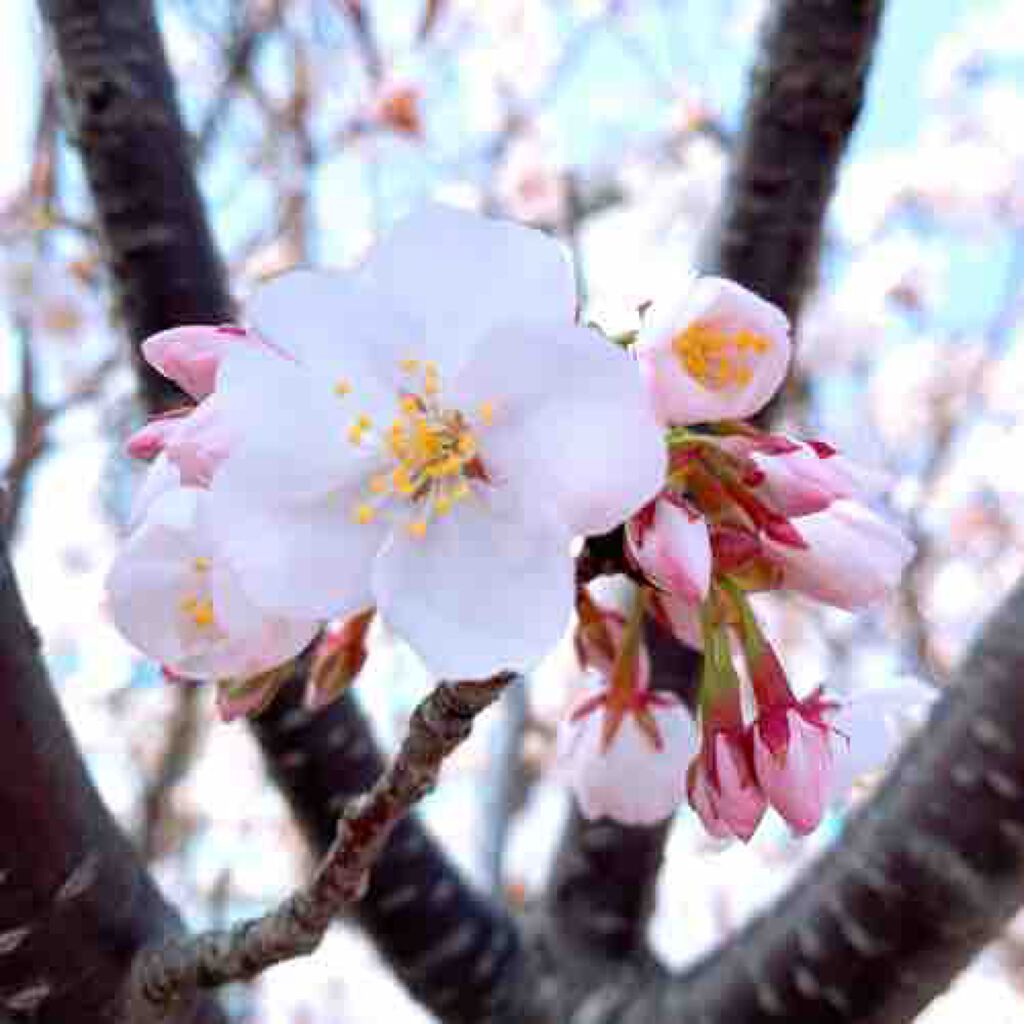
(638, 776)
(793, 758)
(668, 540)
(190, 356)
(149, 441)
(340, 657)
(853, 558)
(599, 639)
(717, 352)
(679, 617)
(723, 787)
(812, 476)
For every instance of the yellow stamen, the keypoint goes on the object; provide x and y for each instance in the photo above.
(379, 484)
(201, 564)
(409, 365)
(342, 387)
(487, 413)
(363, 513)
(417, 529)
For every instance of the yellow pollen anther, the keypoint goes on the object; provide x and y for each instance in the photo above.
(717, 358)
(364, 422)
(409, 365)
(379, 484)
(201, 564)
(409, 405)
(443, 504)
(200, 611)
(487, 413)
(402, 480)
(355, 433)
(342, 387)
(466, 445)
(363, 513)
(417, 529)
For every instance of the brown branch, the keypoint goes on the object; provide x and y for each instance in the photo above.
(806, 91)
(296, 927)
(923, 877)
(137, 159)
(455, 950)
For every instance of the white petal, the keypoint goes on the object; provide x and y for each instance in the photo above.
(572, 426)
(306, 558)
(483, 591)
(161, 477)
(463, 275)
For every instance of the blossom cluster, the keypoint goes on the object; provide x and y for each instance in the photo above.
(424, 438)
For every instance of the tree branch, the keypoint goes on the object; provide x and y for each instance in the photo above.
(806, 91)
(296, 927)
(925, 875)
(137, 158)
(455, 950)
(76, 904)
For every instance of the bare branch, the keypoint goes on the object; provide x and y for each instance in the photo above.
(297, 926)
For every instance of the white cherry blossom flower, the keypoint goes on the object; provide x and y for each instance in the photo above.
(176, 598)
(443, 433)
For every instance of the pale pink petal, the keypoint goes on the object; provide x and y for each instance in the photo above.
(674, 550)
(149, 441)
(161, 477)
(464, 275)
(190, 355)
(753, 337)
(853, 557)
(740, 803)
(485, 590)
(633, 781)
(681, 618)
(200, 442)
(703, 800)
(797, 778)
(570, 425)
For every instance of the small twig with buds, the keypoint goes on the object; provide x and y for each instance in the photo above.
(297, 925)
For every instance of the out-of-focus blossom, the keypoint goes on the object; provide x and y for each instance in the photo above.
(529, 186)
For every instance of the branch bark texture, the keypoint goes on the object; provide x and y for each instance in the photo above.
(296, 927)
(806, 91)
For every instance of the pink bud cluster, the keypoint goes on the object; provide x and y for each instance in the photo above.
(742, 511)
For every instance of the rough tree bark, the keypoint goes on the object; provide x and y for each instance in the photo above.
(76, 903)
(806, 90)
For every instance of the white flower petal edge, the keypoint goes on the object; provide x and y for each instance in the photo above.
(175, 597)
(485, 590)
(465, 275)
(572, 425)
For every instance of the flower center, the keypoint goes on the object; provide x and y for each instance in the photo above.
(431, 452)
(197, 605)
(719, 359)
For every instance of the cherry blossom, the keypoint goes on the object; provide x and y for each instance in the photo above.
(717, 352)
(722, 785)
(634, 772)
(444, 432)
(175, 596)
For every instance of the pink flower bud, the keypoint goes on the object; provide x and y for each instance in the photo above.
(668, 540)
(793, 754)
(190, 356)
(598, 641)
(852, 559)
(723, 787)
(717, 352)
(639, 776)
(149, 441)
(813, 476)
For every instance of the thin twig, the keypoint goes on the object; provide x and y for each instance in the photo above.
(297, 925)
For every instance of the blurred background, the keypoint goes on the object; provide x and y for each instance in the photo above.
(317, 123)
